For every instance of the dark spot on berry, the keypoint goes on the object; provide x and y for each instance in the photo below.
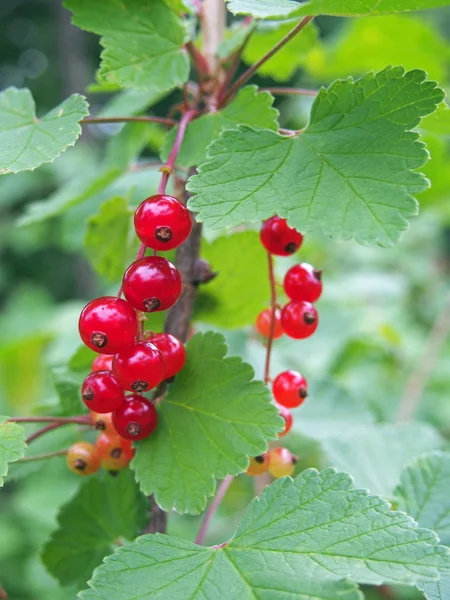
(99, 339)
(291, 247)
(259, 459)
(100, 424)
(151, 304)
(116, 453)
(302, 392)
(309, 317)
(133, 428)
(80, 464)
(139, 386)
(163, 234)
(294, 459)
(88, 393)
(318, 274)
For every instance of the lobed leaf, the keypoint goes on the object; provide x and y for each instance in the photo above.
(12, 445)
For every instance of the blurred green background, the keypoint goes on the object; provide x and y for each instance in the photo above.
(378, 304)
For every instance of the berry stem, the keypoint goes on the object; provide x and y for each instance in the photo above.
(251, 70)
(273, 306)
(222, 490)
(42, 456)
(284, 91)
(42, 431)
(81, 419)
(200, 64)
(141, 119)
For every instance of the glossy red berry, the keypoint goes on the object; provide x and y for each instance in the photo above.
(303, 283)
(108, 324)
(162, 223)
(278, 238)
(136, 418)
(103, 423)
(290, 389)
(287, 416)
(152, 284)
(281, 462)
(139, 367)
(258, 465)
(299, 320)
(172, 350)
(83, 458)
(103, 362)
(264, 320)
(101, 392)
(114, 446)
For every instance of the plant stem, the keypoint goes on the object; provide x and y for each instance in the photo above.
(285, 91)
(82, 419)
(3, 594)
(41, 456)
(251, 70)
(430, 354)
(213, 26)
(42, 431)
(142, 119)
(233, 67)
(273, 306)
(222, 490)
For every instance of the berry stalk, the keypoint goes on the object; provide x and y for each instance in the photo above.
(273, 307)
(223, 488)
(42, 456)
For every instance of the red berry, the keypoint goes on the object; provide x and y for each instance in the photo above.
(136, 418)
(139, 367)
(103, 422)
(258, 465)
(278, 238)
(290, 389)
(83, 459)
(287, 416)
(264, 321)
(108, 324)
(162, 223)
(152, 284)
(303, 283)
(281, 462)
(101, 392)
(113, 446)
(103, 362)
(172, 350)
(299, 319)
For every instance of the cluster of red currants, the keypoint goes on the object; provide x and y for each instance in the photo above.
(298, 319)
(131, 360)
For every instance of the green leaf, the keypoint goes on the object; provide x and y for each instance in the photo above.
(250, 107)
(343, 8)
(130, 102)
(102, 512)
(108, 236)
(213, 418)
(292, 56)
(82, 359)
(12, 445)
(224, 301)
(376, 454)
(349, 173)
(234, 37)
(142, 42)
(68, 387)
(26, 141)
(300, 539)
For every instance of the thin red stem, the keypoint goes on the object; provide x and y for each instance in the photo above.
(273, 306)
(285, 91)
(82, 419)
(142, 119)
(200, 64)
(43, 431)
(233, 67)
(223, 487)
(251, 70)
(42, 456)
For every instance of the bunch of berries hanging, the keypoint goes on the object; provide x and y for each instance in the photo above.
(132, 362)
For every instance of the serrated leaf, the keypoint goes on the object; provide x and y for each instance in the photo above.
(26, 141)
(224, 301)
(376, 454)
(250, 108)
(343, 8)
(130, 102)
(102, 512)
(12, 445)
(142, 42)
(300, 539)
(107, 238)
(213, 418)
(68, 387)
(285, 62)
(349, 173)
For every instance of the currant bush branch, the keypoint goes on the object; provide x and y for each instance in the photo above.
(222, 490)
(284, 91)
(81, 419)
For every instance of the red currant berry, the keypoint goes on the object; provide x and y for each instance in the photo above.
(83, 459)
(303, 283)
(152, 284)
(113, 446)
(162, 223)
(101, 392)
(103, 362)
(258, 465)
(278, 238)
(264, 321)
(108, 324)
(103, 422)
(136, 418)
(281, 462)
(287, 416)
(290, 389)
(139, 367)
(299, 319)
(172, 350)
